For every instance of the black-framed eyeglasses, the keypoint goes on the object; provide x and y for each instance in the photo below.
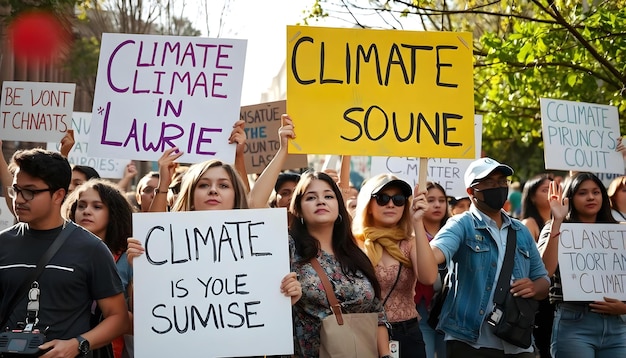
(27, 194)
(383, 199)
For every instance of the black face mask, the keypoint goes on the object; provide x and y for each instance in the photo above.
(494, 197)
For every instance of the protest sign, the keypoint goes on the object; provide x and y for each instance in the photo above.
(580, 136)
(592, 261)
(607, 178)
(445, 171)
(262, 123)
(210, 280)
(36, 111)
(106, 167)
(380, 92)
(158, 92)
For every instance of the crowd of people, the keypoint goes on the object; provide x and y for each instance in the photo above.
(387, 248)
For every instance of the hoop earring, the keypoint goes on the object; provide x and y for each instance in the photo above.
(339, 219)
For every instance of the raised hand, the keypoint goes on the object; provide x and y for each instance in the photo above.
(67, 142)
(238, 135)
(558, 205)
(286, 130)
(419, 205)
(167, 166)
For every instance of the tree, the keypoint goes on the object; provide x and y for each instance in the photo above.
(524, 50)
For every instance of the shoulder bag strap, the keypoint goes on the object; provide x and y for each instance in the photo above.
(43, 261)
(328, 288)
(504, 281)
(394, 284)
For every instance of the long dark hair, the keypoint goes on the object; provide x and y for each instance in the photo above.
(350, 256)
(573, 183)
(120, 225)
(529, 209)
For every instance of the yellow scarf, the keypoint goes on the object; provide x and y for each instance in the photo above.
(376, 239)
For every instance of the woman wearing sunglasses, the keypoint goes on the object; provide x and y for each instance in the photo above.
(384, 224)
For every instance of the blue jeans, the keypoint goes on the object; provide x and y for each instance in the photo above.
(432, 339)
(578, 332)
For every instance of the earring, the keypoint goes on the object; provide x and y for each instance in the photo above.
(301, 220)
(339, 219)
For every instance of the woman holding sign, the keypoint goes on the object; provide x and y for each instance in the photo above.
(580, 329)
(384, 223)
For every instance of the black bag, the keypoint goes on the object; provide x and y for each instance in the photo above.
(513, 318)
(517, 321)
(438, 299)
(102, 352)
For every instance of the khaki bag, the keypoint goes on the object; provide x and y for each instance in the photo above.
(346, 335)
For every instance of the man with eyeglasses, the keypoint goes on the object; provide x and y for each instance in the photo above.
(81, 271)
(472, 245)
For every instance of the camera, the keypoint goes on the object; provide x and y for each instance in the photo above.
(19, 343)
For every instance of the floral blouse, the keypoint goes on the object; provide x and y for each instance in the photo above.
(355, 293)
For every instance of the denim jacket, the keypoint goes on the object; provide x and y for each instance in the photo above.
(467, 244)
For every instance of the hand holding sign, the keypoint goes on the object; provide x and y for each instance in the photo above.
(291, 287)
(621, 148)
(419, 206)
(67, 142)
(286, 131)
(238, 135)
(610, 306)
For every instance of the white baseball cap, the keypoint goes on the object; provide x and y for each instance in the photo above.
(482, 167)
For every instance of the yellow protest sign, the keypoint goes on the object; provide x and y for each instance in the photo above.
(380, 92)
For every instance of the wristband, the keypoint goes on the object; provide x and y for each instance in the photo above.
(555, 235)
(157, 191)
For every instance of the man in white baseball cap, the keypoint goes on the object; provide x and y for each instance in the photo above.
(472, 245)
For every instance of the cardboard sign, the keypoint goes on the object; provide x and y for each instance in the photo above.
(158, 92)
(381, 92)
(447, 172)
(36, 111)
(580, 136)
(210, 280)
(262, 143)
(106, 167)
(592, 261)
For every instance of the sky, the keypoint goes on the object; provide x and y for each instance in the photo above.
(263, 24)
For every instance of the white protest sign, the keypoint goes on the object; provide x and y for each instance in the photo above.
(592, 261)
(36, 111)
(607, 178)
(158, 92)
(106, 167)
(580, 136)
(210, 281)
(6, 218)
(447, 172)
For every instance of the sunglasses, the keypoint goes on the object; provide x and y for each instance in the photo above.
(175, 188)
(383, 199)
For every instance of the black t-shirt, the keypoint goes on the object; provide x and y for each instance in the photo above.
(81, 271)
